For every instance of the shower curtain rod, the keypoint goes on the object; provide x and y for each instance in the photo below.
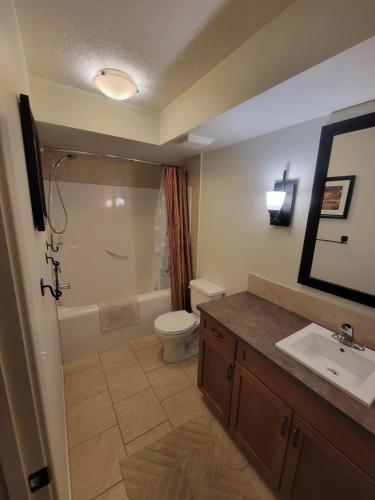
(91, 153)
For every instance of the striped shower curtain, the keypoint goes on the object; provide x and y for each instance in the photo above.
(175, 186)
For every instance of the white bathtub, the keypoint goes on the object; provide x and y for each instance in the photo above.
(80, 330)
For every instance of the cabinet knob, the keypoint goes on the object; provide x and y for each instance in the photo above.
(216, 334)
(295, 436)
(284, 425)
(230, 372)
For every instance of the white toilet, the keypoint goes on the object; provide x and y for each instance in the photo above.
(178, 330)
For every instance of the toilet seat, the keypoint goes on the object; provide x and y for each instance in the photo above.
(175, 323)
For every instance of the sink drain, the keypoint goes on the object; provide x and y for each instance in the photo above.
(332, 370)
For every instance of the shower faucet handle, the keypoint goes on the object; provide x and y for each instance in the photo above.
(65, 286)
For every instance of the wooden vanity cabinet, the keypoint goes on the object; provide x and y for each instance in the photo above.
(303, 446)
(316, 470)
(260, 423)
(217, 351)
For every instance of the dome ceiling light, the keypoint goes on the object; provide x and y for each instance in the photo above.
(115, 84)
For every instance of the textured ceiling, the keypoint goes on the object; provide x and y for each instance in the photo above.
(314, 93)
(165, 45)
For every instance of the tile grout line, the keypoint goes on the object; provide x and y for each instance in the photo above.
(129, 395)
(153, 390)
(105, 491)
(100, 364)
(143, 348)
(94, 436)
(85, 399)
(140, 362)
(191, 383)
(67, 375)
(117, 425)
(150, 387)
(83, 370)
(162, 407)
(149, 430)
(69, 407)
(175, 393)
(113, 404)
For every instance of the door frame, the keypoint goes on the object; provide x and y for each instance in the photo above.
(23, 432)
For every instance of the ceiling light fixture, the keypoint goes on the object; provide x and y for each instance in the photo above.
(115, 84)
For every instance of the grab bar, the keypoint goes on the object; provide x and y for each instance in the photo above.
(117, 255)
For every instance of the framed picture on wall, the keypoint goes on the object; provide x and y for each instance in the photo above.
(33, 163)
(337, 196)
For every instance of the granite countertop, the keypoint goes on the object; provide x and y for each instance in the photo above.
(260, 324)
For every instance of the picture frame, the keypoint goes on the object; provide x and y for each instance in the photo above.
(337, 196)
(33, 163)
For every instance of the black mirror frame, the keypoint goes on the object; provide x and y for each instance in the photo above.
(324, 154)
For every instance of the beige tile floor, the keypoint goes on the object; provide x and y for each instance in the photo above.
(119, 401)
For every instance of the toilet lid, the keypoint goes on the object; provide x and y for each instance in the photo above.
(175, 322)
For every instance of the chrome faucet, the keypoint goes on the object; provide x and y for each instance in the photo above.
(65, 286)
(346, 337)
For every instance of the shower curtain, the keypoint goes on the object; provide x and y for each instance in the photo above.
(175, 185)
(160, 264)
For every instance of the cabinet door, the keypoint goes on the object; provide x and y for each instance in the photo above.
(316, 470)
(217, 350)
(260, 423)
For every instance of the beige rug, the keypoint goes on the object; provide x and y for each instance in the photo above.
(196, 461)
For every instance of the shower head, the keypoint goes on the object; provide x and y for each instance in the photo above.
(56, 163)
(68, 156)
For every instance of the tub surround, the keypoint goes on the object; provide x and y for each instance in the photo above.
(104, 220)
(240, 368)
(88, 169)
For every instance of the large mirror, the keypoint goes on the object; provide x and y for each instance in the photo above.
(339, 249)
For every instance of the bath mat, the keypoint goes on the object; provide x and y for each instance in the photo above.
(119, 313)
(196, 461)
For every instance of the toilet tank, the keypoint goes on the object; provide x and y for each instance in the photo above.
(201, 291)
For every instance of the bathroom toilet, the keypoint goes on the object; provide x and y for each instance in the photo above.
(178, 330)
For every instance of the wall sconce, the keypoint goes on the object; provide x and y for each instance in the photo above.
(280, 202)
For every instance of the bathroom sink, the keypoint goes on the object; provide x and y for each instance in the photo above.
(349, 369)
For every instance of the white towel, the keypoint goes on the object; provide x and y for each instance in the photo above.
(119, 313)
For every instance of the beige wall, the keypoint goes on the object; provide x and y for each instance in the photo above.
(235, 236)
(105, 171)
(63, 105)
(193, 167)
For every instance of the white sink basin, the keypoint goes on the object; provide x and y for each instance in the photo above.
(351, 370)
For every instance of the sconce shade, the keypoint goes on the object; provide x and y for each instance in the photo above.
(280, 202)
(275, 200)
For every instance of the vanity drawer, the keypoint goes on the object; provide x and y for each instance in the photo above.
(223, 339)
